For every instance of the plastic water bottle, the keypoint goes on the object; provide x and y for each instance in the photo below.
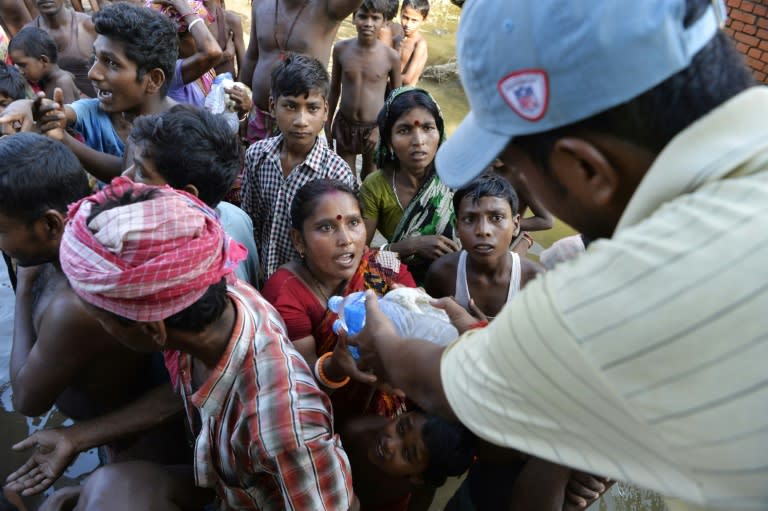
(216, 100)
(351, 311)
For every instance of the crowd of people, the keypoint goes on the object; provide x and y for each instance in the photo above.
(173, 267)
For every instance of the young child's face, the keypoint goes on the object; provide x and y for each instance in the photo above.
(368, 24)
(411, 20)
(487, 227)
(114, 77)
(399, 448)
(300, 119)
(30, 68)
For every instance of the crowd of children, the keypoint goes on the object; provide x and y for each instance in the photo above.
(138, 227)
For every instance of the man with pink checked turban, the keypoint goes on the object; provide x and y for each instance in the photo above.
(153, 265)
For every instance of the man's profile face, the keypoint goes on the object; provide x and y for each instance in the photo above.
(24, 241)
(129, 333)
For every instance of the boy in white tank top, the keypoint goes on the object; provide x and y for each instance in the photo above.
(486, 274)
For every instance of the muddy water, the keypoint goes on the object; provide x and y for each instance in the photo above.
(440, 33)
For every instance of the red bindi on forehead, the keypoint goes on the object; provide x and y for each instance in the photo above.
(338, 217)
(416, 123)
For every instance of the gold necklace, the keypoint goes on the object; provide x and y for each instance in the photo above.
(394, 190)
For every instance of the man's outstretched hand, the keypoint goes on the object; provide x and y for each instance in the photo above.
(54, 452)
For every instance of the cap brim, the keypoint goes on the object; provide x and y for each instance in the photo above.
(469, 151)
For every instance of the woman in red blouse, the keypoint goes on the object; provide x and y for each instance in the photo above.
(329, 234)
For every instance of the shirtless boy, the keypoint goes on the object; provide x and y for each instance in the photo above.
(73, 33)
(60, 353)
(485, 274)
(362, 67)
(279, 27)
(35, 55)
(413, 46)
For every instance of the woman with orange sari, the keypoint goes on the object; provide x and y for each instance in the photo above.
(329, 234)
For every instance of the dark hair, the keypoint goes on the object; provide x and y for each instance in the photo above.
(375, 6)
(652, 119)
(420, 5)
(306, 199)
(191, 146)
(487, 185)
(34, 42)
(12, 84)
(395, 108)
(298, 75)
(451, 449)
(148, 37)
(38, 174)
(392, 7)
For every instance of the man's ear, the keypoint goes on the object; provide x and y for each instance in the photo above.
(584, 171)
(52, 222)
(45, 60)
(155, 79)
(298, 242)
(272, 106)
(516, 222)
(191, 189)
(156, 331)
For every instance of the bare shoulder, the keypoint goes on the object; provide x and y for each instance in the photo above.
(68, 316)
(441, 276)
(529, 270)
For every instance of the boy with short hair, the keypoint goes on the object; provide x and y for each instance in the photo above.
(362, 67)
(36, 56)
(413, 46)
(277, 167)
(194, 150)
(135, 53)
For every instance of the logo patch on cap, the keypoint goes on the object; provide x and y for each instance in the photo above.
(526, 92)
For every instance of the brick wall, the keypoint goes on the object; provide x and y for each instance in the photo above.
(748, 25)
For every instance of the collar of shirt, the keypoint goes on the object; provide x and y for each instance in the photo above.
(314, 159)
(707, 151)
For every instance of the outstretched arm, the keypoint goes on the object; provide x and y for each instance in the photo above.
(335, 92)
(234, 24)
(56, 448)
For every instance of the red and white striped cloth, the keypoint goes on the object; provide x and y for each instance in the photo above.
(146, 260)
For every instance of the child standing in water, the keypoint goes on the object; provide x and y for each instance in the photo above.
(413, 46)
(362, 67)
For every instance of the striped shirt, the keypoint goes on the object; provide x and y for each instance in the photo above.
(264, 430)
(267, 194)
(645, 358)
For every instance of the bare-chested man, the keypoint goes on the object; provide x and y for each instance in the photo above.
(60, 353)
(74, 34)
(279, 27)
(14, 14)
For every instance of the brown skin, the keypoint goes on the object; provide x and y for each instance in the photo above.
(313, 34)
(235, 47)
(362, 68)
(57, 19)
(540, 219)
(62, 355)
(391, 34)
(112, 71)
(14, 14)
(488, 223)
(412, 46)
(593, 175)
(48, 73)
(415, 139)
(300, 120)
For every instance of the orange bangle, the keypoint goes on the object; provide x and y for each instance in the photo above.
(322, 378)
(480, 324)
